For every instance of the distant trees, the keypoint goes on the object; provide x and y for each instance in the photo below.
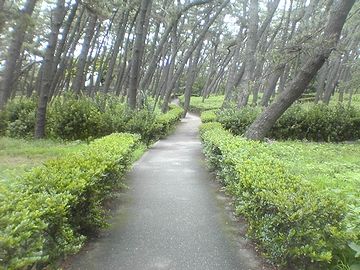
(249, 50)
(304, 75)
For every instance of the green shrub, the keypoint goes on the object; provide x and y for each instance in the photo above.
(142, 122)
(238, 120)
(18, 118)
(49, 211)
(301, 121)
(84, 118)
(3, 123)
(77, 119)
(166, 122)
(295, 224)
(208, 116)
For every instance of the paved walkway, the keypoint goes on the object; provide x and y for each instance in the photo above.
(171, 217)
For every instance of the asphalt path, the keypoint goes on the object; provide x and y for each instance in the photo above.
(171, 217)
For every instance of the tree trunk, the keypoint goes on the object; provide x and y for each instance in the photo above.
(2, 15)
(138, 50)
(274, 78)
(330, 37)
(56, 21)
(118, 42)
(14, 51)
(251, 44)
(191, 78)
(68, 51)
(320, 87)
(331, 81)
(79, 80)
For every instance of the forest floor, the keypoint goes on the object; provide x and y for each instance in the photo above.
(18, 155)
(174, 216)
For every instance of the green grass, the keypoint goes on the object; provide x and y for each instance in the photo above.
(211, 103)
(18, 155)
(215, 102)
(331, 167)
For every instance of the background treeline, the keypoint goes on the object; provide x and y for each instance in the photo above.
(249, 50)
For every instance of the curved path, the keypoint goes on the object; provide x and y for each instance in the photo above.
(171, 218)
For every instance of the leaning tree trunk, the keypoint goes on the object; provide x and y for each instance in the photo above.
(2, 15)
(14, 51)
(330, 37)
(56, 21)
(139, 45)
(79, 80)
(250, 60)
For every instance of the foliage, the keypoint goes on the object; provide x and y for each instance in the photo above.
(238, 120)
(73, 118)
(209, 116)
(301, 121)
(167, 121)
(18, 118)
(84, 118)
(294, 222)
(48, 212)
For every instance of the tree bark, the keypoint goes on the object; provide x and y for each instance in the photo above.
(79, 80)
(259, 128)
(191, 78)
(114, 54)
(140, 35)
(56, 21)
(251, 44)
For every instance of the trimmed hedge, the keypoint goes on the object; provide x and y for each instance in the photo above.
(301, 121)
(49, 211)
(166, 122)
(209, 116)
(295, 224)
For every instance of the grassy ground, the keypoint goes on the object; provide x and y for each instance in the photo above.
(331, 167)
(215, 102)
(197, 104)
(18, 156)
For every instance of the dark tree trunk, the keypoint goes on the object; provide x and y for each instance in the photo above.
(191, 78)
(251, 44)
(114, 54)
(14, 52)
(138, 51)
(69, 49)
(79, 80)
(272, 85)
(320, 88)
(331, 81)
(56, 21)
(330, 37)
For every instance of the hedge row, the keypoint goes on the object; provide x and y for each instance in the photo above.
(295, 224)
(301, 121)
(209, 116)
(49, 211)
(71, 118)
